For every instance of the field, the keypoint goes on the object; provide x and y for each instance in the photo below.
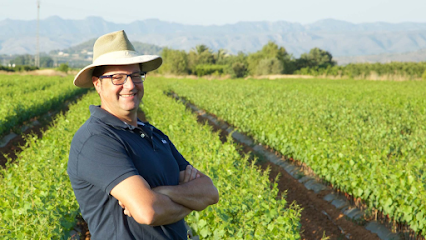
(37, 202)
(365, 138)
(25, 97)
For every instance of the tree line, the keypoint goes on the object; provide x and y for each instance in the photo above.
(274, 59)
(29, 60)
(392, 70)
(271, 59)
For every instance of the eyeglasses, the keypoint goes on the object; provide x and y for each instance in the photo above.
(121, 78)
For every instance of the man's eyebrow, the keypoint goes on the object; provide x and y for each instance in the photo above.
(121, 73)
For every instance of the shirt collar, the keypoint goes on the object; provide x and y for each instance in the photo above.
(109, 119)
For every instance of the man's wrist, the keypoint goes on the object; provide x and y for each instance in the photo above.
(165, 190)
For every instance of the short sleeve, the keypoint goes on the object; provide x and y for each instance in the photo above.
(104, 162)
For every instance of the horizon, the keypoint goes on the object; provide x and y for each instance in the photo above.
(161, 20)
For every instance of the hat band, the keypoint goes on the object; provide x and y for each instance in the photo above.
(115, 57)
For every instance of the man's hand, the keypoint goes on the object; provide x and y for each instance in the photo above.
(189, 174)
(195, 190)
(146, 206)
(126, 211)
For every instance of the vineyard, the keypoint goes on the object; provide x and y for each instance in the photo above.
(364, 138)
(26, 97)
(37, 201)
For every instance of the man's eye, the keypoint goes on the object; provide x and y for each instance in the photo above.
(117, 77)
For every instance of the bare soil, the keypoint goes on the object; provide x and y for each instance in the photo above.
(44, 72)
(14, 146)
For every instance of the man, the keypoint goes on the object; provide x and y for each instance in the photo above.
(117, 162)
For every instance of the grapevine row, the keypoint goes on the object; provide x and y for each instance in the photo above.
(25, 97)
(366, 138)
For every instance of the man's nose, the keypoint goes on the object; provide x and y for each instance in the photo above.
(129, 83)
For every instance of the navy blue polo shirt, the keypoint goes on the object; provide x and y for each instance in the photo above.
(104, 152)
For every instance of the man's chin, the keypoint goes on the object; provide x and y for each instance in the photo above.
(130, 107)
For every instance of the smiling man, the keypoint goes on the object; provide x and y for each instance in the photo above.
(127, 176)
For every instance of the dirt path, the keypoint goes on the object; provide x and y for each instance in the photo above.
(14, 146)
(318, 216)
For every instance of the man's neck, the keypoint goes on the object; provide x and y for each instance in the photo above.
(131, 120)
(130, 117)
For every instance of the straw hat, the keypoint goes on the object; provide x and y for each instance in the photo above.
(115, 49)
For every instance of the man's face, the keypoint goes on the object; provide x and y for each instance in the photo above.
(119, 100)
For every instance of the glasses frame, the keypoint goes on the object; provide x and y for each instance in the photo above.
(142, 74)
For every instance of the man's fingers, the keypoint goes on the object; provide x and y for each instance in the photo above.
(182, 176)
(189, 174)
(126, 212)
(193, 174)
(188, 171)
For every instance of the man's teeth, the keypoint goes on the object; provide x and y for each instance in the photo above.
(127, 95)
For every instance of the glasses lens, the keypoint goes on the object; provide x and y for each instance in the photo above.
(118, 79)
(137, 77)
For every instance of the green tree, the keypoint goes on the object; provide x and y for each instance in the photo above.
(270, 53)
(200, 55)
(25, 59)
(236, 65)
(220, 56)
(206, 57)
(269, 66)
(46, 62)
(192, 61)
(315, 58)
(239, 70)
(174, 61)
(200, 49)
(63, 67)
(424, 75)
(271, 50)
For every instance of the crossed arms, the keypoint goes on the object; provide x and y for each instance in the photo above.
(165, 204)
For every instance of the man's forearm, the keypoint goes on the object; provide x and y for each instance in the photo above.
(145, 205)
(196, 194)
(168, 211)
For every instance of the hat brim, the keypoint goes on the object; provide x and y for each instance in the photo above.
(148, 63)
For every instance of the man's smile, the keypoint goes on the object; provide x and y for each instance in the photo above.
(128, 95)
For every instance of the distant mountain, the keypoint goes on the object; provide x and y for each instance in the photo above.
(340, 38)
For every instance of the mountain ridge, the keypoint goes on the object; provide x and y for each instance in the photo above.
(340, 38)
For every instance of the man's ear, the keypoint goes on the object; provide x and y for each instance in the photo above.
(97, 83)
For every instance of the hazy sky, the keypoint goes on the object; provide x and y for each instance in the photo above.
(220, 12)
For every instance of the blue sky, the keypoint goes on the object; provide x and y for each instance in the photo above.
(221, 12)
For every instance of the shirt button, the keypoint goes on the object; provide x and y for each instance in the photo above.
(142, 135)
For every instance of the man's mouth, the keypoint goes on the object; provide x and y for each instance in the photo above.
(128, 95)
